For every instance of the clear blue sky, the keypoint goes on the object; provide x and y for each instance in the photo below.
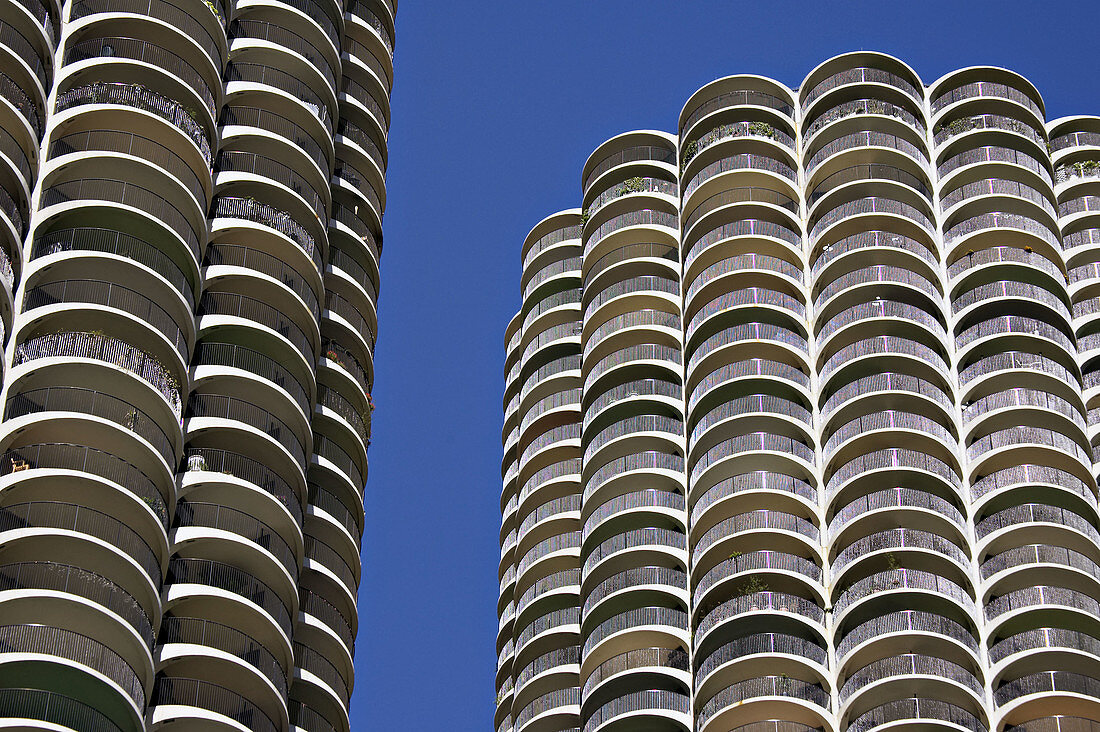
(496, 106)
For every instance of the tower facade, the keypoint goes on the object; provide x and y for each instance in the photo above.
(801, 411)
(191, 199)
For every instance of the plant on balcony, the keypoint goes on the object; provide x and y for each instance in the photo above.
(689, 152)
(874, 106)
(632, 185)
(585, 216)
(752, 586)
(762, 128)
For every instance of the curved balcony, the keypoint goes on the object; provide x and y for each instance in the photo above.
(1041, 596)
(880, 274)
(908, 583)
(97, 404)
(643, 425)
(891, 460)
(249, 209)
(997, 187)
(1005, 255)
(645, 218)
(106, 241)
(814, 700)
(634, 285)
(83, 583)
(867, 206)
(896, 503)
(197, 631)
(209, 697)
(82, 520)
(109, 295)
(667, 357)
(1039, 554)
(190, 571)
(565, 621)
(920, 543)
(562, 702)
(882, 384)
(777, 565)
(316, 606)
(124, 193)
(52, 708)
(731, 612)
(748, 297)
(643, 707)
(676, 621)
(760, 522)
(761, 644)
(718, 343)
(129, 143)
(268, 124)
(917, 625)
(567, 581)
(730, 374)
(1002, 481)
(257, 311)
(861, 242)
(224, 518)
(1056, 724)
(674, 543)
(650, 463)
(656, 501)
(794, 451)
(285, 38)
(249, 163)
(986, 89)
(753, 486)
(1014, 437)
(134, 49)
(183, 19)
(918, 710)
(560, 660)
(738, 98)
(739, 162)
(861, 75)
(861, 141)
(635, 153)
(892, 420)
(998, 122)
(741, 228)
(308, 660)
(138, 97)
(1041, 401)
(238, 410)
(638, 659)
(567, 543)
(1060, 683)
(882, 346)
(734, 410)
(1014, 325)
(644, 579)
(910, 665)
(637, 184)
(876, 107)
(1037, 639)
(995, 154)
(44, 640)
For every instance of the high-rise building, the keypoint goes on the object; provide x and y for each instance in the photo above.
(191, 199)
(801, 411)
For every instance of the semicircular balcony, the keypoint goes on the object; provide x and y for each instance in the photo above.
(747, 573)
(864, 249)
(866, 155)
(648, 546)
(762, 698)
(866, 473)
(619, 476)
(886, 590)
(214, 590)
(204, 702)
(236, 653)
(740, 223)
(981, 89)
(918, 711)
(739, 98)
(789, 455)
(890, 548)
(104, 687)
(898, 631)
(1021, 699)
(656, 150)
(884, 390)
(888, 507)
(928, 675)
(755, 490)
(861, 72)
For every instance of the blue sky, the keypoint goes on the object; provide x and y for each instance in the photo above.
(496, 107)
